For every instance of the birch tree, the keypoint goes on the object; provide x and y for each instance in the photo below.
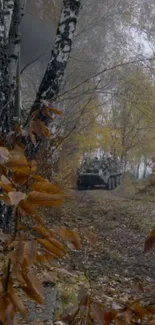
(11, 13)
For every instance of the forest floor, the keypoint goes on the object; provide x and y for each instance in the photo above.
(113, 227)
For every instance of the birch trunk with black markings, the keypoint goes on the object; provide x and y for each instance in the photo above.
(52, 81)
(11, 12)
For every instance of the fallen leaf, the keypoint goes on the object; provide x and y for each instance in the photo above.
(16, 197)
(4, 155)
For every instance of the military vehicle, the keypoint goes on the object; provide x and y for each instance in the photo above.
(98, 172)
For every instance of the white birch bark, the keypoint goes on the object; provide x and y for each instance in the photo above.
(53, 77)
(11, 12)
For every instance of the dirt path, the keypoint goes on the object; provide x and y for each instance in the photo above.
(113, 227)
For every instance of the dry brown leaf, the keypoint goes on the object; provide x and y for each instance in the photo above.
(34, 288)
(17, 158)
(109, 316)
(51, 248)
(44, 199)
(39, 178)
(33, 295)
(20, 179)
(149, 244)
(30, 252)
(18, 148)
(25, 208)
(34, 114)
(16, 197)
(9, 314)
(3, 170)
(151, 309)
(17, 254)
(19, 277)
(43, 258)
(98, 312)
(3, 307)
(140, 311)
(17, 302)
(39, 220)
(56, 111)
(41, 230)
(5, 180)
(128, 315)
(7, 187)
(5, 198)
(48, 234)
(25, 133)
(33, 138)
(46, 186)
(21, 170)
(46, 112)
(39, 128)
(69, 314)
(70, 235)
(4, 155)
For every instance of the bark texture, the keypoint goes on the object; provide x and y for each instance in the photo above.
(52, 81)
(11, 12)
(53, 78)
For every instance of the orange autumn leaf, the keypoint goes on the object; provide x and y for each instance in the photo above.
(56, 111)
(109, 316)
(44, 258)
(70, 235)
(25, 208)
(39, 128)
(44, 199)
(50, 247)
(44, 232)
(39, 219)
(17, 302)
(46, 186)
(141, 311)
(34, 287)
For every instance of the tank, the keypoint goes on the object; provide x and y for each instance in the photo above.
(95, 172)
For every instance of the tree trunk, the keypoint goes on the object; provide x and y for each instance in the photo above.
(124, 160)
(137, 170)
(52, 81)
(145, 168)
(11, 12)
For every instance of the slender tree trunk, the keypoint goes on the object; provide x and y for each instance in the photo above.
(137, 170)
(17, 108)
(11, 12)
(53, 78)
(145, 168)
(124, 160)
